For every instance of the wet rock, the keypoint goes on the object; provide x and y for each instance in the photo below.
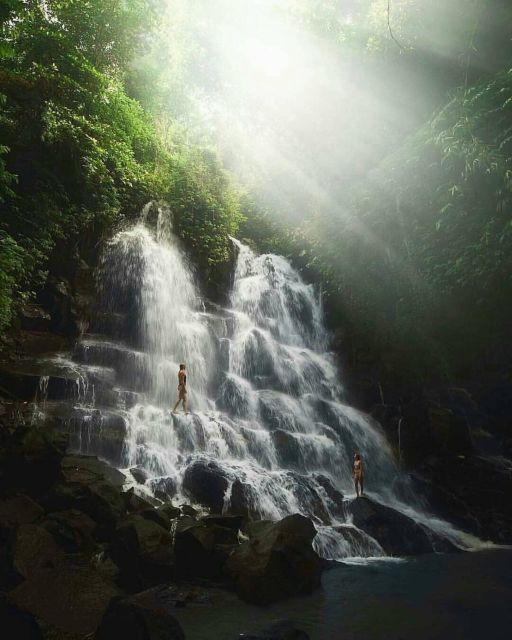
(143, 551)
(229, 522)
(34, 318)
(70, 598)
(19, 509)
(335, 498)
(449, 431)
(169, 511)
(307, 496)
(134, 502)
(243, 500)
(22, 381)
(99, 433)
(357, 540)
(34, 550)
(73, 530)
(164, 487)
(276, 562)
(283, 630)
(17, 624)
(144, 616)
(91, 486)
(57, 298)
(235, 396)
(473, 492)
(288, 449)
(140, 475)
(206, 482)
(155, 516)
(30, 459)
(202, 548)
(397, 534)
(188, 510)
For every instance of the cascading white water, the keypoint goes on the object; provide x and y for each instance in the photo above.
(267, 407)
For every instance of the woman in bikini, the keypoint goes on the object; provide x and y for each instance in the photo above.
(182, 389)
(357, 474)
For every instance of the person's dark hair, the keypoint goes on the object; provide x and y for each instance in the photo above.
(357, 456)
(182, 366)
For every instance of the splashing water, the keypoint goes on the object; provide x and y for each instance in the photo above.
(268, 414)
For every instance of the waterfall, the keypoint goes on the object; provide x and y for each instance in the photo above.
(268, 415)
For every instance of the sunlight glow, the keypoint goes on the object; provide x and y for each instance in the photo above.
(267, 57)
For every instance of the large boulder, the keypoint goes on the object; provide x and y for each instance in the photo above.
(29, 459)
(201, 549)
(143, 550)
(144, 616)
(206, 482)
(277, 561)
(72, 529)
(19, 509)
(69, 598)
(93, 487)
(397, 534)
(34, 550)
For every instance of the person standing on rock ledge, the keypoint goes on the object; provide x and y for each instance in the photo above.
(358, 474)
(182, 390)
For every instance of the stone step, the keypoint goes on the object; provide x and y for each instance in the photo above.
(132, 367)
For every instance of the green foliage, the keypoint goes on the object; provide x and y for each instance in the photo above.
(77, 152)
(420, 262)
(206, 206)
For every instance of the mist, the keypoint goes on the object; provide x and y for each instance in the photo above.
(299, 96)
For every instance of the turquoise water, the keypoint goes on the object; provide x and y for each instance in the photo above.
(464, 596)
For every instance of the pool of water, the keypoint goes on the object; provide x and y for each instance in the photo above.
(464, 596)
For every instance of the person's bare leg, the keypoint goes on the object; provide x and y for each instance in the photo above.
(185, 408)
(361, 485)
(356, 488)
(176, 406)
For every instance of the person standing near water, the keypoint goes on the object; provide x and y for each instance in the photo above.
(182, 389)
(357, 474)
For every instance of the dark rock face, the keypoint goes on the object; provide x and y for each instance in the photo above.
(284, 630)
(73, 530)
(335, 496)
(19, 509)
(34, 550)
(57, 297)
(472, 492)
(143, 551)
(206, 482)
(30, 460)
(164, 488)
(202, 548)
(397, 534)
(424, 426)
(34, 318)
(145, 616)
(139, 474)
(234, 523)
(243, 500)
(276, 562)
(91, 486)
(18, 624)
(70, 598)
